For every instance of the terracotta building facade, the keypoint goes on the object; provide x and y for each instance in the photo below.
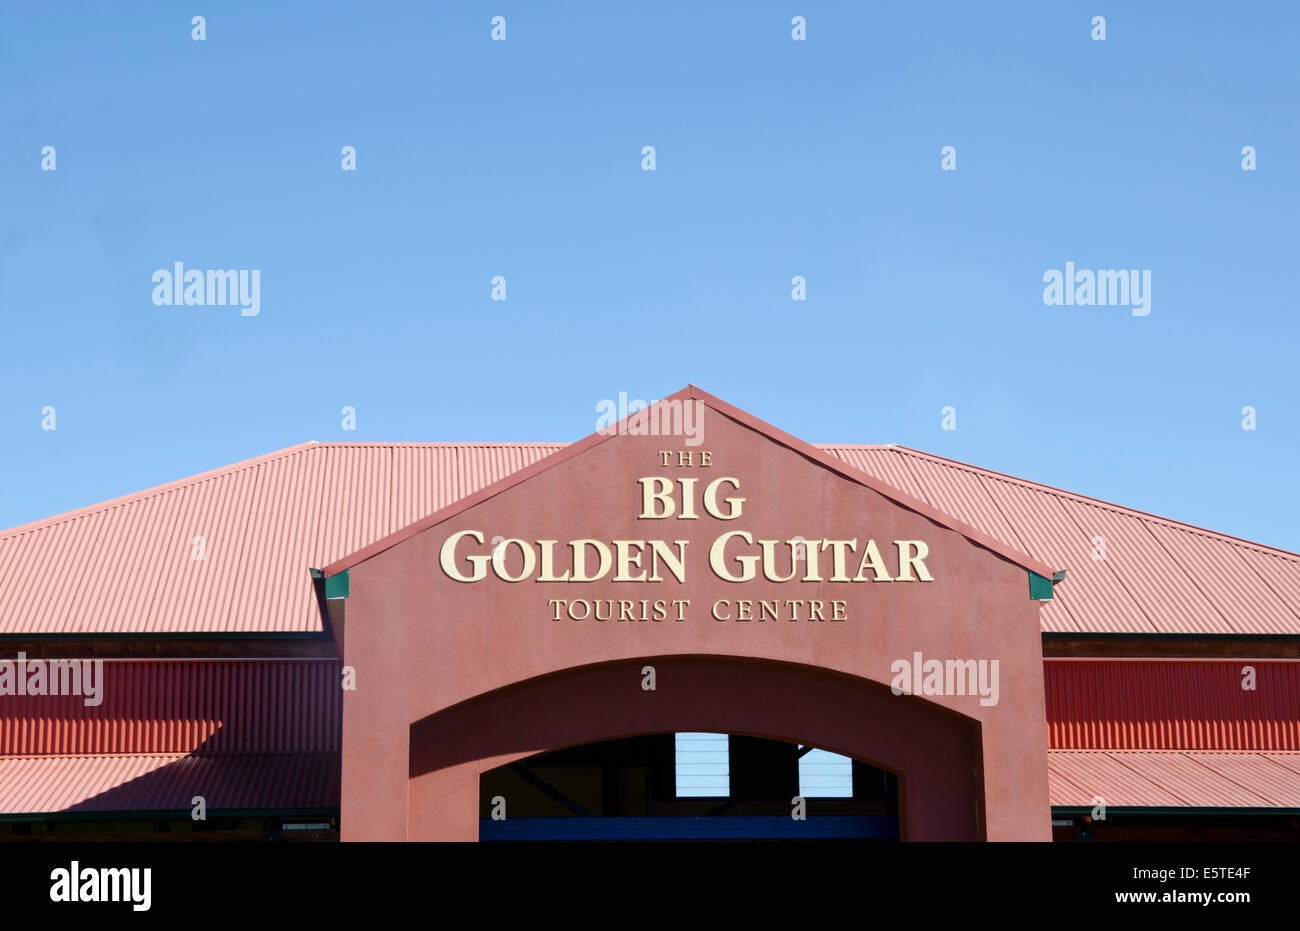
(440, 641)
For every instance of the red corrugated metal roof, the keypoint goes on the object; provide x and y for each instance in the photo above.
(185, 706)
(126, 565)
(169, 782)
(1226, 580)
(243, 733)
(1157, 575)
(1174, 779)
(1172, 705)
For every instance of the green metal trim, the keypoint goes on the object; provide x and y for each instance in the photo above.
(1040, 588)
(338, 586)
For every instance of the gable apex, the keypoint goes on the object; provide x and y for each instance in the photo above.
(650, 414)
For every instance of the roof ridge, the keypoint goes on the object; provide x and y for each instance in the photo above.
(146, 493)
(1182, 525)
(440, 444)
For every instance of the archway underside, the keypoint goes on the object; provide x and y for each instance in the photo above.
(688, 786)
(933, 753)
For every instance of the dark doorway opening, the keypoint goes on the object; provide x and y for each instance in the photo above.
(633, 788)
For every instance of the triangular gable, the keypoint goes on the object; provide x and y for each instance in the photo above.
(1044, 572)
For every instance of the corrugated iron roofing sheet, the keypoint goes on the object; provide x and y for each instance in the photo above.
(1092, 600)
(1171, 705)
(1153, 577)
(884, 463)
(960, 492)
(243, 733)
(1146, 588)
(185, 706)
(129, 565)
(1082, 775)
(1174, 779)
(169, 782)
(1216, 568)
(1275, 571)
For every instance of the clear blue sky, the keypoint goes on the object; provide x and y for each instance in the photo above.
(775, 158)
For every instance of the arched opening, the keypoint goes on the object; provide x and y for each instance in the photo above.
(688, 787)
(934, 753)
